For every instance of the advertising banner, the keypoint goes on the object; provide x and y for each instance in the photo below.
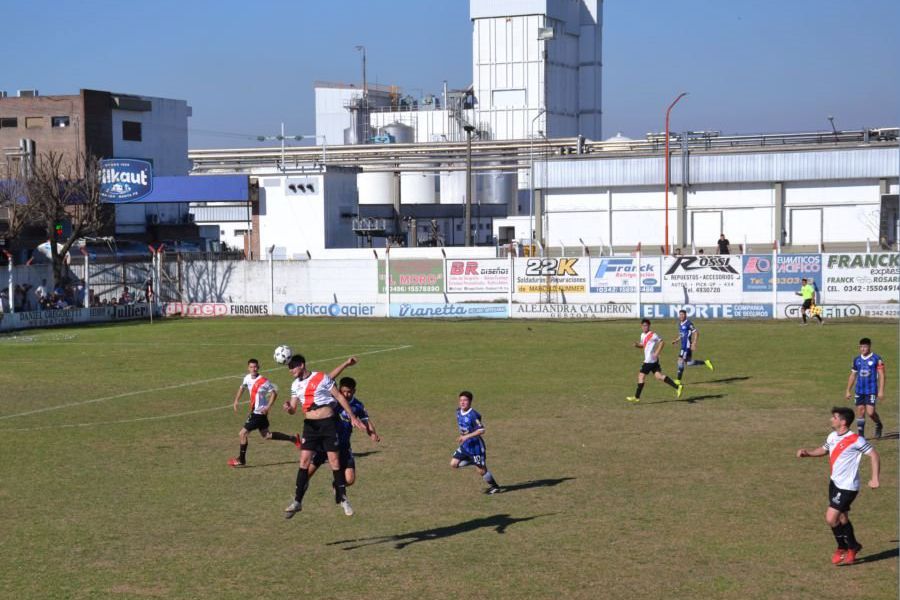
(214, 309)
(545, 275)
(707, 311)
(845, 310)
(609, 310)
(489, 275)
(862, 278)
(619, 275)
(333, 309)
(450, 311)
(757, 269)
(413, 276)
(125, 180)
(73, 316)
(702, 278)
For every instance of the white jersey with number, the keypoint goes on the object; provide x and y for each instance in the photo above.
(844, 453)
(259, 388)
(314, 391)
(649, 342)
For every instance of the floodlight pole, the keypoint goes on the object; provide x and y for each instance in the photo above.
(468, 237)
(669, 110)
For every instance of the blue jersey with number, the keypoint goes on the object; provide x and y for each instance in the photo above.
(468, 422)
(345, 429)
(866, 368)
(686, 330)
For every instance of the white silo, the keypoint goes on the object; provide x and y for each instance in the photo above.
(378, 188)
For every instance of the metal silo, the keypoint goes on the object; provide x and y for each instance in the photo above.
(400, 133)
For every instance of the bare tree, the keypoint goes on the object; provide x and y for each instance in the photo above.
(13, 206)
(64, 189)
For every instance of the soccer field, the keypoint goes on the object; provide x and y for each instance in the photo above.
(114, 482)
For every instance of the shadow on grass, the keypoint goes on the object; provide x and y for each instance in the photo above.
(891, 435)
(535, 483)
(727, 379)
(364, 454)
(498, 523)
(265, 465)
(689, 399)
(893, 553)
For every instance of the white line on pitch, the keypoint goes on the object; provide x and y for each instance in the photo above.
(176, 386)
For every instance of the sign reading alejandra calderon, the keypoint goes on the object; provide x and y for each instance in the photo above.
(125, 179)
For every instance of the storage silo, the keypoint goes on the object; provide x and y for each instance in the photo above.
(418, 187)
(496, 186)
(453, 185)
(399, 132)
(378, 188)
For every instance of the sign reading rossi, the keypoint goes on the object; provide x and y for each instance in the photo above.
(413, 276)
(542, 275)
(701, 278)
(482, 275)
(861, 277)
(615, 275)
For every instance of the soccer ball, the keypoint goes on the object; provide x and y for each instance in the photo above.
(283, 354)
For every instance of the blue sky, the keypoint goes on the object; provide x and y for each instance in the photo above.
(750, 66)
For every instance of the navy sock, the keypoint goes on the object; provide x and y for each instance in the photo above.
(680, 371)
(489, 479)
(861, 426)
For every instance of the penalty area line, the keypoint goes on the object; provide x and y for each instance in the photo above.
(173, 387)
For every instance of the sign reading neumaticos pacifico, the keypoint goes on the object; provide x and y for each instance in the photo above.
(125, 179)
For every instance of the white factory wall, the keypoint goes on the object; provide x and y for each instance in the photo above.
(293, 223)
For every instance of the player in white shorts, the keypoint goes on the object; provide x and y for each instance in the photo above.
(845, 450)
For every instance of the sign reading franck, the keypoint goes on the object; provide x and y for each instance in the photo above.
(125, 179)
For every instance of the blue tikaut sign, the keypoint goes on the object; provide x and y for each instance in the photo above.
(125, 179)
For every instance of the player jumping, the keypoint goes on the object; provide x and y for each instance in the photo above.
(687, 336)
(652, 345)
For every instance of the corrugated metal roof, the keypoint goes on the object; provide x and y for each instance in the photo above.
(813, 165)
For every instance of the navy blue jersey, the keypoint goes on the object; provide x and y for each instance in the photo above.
(469, 422)
(866, 368)
(345, 429)
(686, 330)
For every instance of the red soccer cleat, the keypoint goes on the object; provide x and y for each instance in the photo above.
(850, 557)
(838, 556)
(233, 462)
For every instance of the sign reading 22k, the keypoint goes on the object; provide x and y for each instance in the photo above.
(125, 179)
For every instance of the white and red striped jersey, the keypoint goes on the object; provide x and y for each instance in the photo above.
(844, 453)
(259, 388)
(314, 391)
(649, 342)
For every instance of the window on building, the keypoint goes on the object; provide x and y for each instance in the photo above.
(34, 122)
(131, 131)
(59, 121)
(8, 122)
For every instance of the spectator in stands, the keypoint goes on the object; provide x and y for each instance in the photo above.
(700, 251)
(723, 244)
(677, 252)
(126, 297)
(40, 293)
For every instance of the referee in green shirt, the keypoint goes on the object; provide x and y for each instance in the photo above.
(808, 292)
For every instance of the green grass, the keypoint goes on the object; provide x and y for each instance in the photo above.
(697, 498)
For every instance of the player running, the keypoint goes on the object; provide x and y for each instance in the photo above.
(687, 336)
(868, 374)
(808, 293)
(845, 452)
(314, 392)
(472, 450)
(263, 394)
(652, 345)
(347, 389)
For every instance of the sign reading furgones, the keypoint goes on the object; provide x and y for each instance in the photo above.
(125, 179)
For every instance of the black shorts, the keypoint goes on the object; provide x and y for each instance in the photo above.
(807, 303)
(647, 368)
(255, 421)
(345, 458)
(320, 434)
(839, 499)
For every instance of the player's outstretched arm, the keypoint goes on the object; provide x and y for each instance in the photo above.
(271, 397)
(340, 368)
(876, 468)
(811, 452)
(880, 370)
(370, 430)
(290, 406)
(659, 348)
(354, 420)
(237, 396)
(850, 381)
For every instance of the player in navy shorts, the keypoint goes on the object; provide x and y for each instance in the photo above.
(867, 372)
(472, 450)
(687, 337)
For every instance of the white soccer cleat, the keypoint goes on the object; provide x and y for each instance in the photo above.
(348, 510)
(292, 509)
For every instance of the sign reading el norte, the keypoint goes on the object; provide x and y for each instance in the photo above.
(702, 278)
(543, 275)
(865, 278)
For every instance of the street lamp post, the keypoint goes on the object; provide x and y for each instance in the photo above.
(469, 130)
(531, 179)
(669, 110)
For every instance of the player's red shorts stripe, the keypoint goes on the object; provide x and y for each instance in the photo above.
(841, 446)
(253, 390)
(309, 394)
